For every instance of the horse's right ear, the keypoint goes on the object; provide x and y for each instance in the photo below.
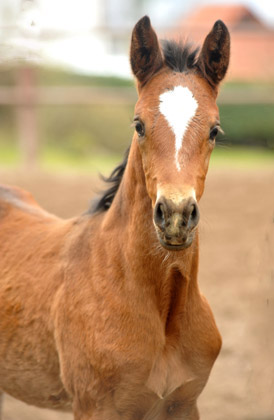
(214, 57)
(145, 53)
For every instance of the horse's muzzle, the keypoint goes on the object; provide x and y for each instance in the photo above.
(176, 223)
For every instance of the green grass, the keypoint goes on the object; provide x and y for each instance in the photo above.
(63, 77)
(222, 157)
(242, 157)
(248, 124)
(56, 160)
(86, 130)
(9, 156)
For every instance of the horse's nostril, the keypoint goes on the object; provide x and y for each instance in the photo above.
(159, 215)
(193, 212)
(160, 211)
(194, 215)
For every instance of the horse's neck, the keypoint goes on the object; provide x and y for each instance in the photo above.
(170, 274)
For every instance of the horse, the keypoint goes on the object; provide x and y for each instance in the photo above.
(101, 314)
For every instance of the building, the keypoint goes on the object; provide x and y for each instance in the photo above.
(252, 42)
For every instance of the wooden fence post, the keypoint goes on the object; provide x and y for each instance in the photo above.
(27, 116)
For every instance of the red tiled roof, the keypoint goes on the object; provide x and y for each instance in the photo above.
(252, 43)
(233, 15)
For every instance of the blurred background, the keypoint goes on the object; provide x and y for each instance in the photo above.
(66, 91)
(66, 105)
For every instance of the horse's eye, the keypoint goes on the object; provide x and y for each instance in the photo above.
(213, 133)
(140, 128)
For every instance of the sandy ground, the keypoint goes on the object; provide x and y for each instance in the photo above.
(236, 275)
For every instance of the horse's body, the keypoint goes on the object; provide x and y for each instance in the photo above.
(102, 314)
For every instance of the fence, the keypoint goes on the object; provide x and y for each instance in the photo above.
(26, 96)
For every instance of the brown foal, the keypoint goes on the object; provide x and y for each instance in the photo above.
(102, 314)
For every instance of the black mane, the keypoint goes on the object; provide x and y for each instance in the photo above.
(104, 202)
(179, 57)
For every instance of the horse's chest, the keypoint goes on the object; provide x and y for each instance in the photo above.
(169, 371)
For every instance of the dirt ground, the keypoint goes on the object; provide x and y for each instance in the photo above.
(236, 275)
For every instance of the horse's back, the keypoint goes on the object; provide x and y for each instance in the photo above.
(31, 274)
(26, 228)
(15, 198)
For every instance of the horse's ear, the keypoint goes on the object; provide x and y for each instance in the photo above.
(145, 53)
(214, 57)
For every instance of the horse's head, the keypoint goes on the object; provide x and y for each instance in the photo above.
(176, 121)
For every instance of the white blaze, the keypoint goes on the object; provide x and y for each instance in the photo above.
(179, 107)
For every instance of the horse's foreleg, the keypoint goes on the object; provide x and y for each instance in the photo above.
(118, 405)
(180, 404)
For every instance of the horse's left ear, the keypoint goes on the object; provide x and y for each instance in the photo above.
(145, 53)
(214, 57)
